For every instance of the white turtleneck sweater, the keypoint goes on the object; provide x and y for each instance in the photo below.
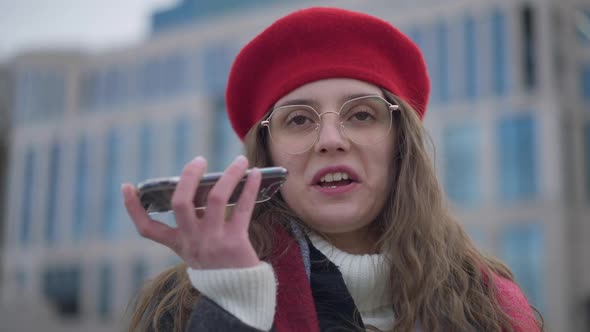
(250, 294)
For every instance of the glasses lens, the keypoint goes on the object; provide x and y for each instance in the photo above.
(366, 120)
(294, 128)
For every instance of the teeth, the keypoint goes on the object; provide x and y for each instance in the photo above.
(337, 176)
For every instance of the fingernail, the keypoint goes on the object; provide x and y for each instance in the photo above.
(241, 159)
(123, 185)
(198, 160)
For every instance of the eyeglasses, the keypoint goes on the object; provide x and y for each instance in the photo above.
(364, 120)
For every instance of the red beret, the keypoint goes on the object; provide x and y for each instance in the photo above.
(319, 43)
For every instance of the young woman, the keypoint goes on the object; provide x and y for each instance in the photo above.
(359, 237)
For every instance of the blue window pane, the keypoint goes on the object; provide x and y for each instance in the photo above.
(115, 86)
(522, 248)
(517, 157)
(182, 146)
(217, 60)
(61, 287)
(113, 180)
(140, 273)
(146, 148)
(587, 146)
(176, 74)
(417, 36)
(471, 54)
(500, 59)
(585, 86)
(462, 147)
(226, 143)
(81, 189)
(582, 24)
(53, 193)
(150, 77)
(443, 65)
(105, 295)
(29, 180)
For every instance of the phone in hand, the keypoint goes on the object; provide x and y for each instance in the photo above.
(155, 194)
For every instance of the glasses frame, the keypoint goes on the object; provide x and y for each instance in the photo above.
(391, 107)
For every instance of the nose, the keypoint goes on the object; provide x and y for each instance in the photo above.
(330, 136)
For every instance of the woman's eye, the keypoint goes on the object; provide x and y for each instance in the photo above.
(362, 115)
(298, 120)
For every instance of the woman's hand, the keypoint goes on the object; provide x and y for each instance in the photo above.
(206, 240)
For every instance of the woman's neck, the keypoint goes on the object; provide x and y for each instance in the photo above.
(358, 242)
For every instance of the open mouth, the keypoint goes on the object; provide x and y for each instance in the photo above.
(335, 179)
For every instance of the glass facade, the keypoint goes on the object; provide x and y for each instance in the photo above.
(517, 157)
(40, 94)
(215, 66)
(146, 151)
(226, 144)
(105, 290)
(472, 89)
(61, 286)
(182, 144)
(29, 181)
(443, 79)
(500, 57)
(587, 157)
(582, 25)
(139, 274)
(585, 83)
(82, 187)
(112, 183)
(461, 163)
(522, 248)
(53, 193)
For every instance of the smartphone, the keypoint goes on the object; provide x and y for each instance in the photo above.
(155, 195)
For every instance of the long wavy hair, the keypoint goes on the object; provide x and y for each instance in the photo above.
(438, 277)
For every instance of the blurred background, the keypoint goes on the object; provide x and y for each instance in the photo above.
(96, 93)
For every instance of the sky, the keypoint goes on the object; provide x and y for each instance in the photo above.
(78, 24)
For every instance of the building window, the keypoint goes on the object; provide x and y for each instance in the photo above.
(462, 167)
(226, 144)
(40, 93)
(113, 180)
(146, 148)
(105, 295)
(585, 86)
(217, 60)
(522, 248)
(471, 54)
(53, 193)
(529, 49)
(443, 65)
(587, 145)
(417, 37)
(139, 274)
(176, 74)
(81, 189)
(29, 180)
(582, 25)
(500, 58)
(182, 143)
(61, 287)
(517, 157)
(89, 90)
(150, 75)
(115, 86)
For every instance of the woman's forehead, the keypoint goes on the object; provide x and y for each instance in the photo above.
(330, 90)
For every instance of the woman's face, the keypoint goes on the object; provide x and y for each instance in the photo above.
(337, 207)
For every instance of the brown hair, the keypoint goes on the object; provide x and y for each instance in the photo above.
(438, 277)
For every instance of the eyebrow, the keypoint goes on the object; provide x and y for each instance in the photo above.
(314, 102)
